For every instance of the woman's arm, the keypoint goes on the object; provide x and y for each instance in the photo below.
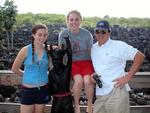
(18, 61)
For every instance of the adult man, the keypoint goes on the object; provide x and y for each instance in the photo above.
(109, 60)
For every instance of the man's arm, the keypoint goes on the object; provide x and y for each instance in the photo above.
(138, 60)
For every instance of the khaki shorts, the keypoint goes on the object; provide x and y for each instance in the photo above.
(117, 101)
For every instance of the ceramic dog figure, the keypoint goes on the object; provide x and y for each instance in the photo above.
(59, 79)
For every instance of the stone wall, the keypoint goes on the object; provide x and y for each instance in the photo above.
(137, 37)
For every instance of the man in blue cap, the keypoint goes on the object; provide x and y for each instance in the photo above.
(102, 25)
(109, 60)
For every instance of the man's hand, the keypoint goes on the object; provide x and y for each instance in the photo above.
(120, 82)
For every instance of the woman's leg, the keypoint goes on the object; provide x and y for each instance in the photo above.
(77, 88)
(39, 108)
(89, 90)
(26, 108)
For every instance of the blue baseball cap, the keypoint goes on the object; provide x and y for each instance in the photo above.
(103, 25)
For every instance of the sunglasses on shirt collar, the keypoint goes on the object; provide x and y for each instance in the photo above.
(100, 32)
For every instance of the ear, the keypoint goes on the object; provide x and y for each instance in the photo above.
(33, 35)
(62, 46)
(51, 46)
(66, 36)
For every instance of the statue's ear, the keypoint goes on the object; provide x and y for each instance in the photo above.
(51, 48)
(62, 46)
(66, 36)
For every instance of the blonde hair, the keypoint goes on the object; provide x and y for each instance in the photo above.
(74, 12)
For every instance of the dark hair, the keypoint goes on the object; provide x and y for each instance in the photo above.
(34, 30)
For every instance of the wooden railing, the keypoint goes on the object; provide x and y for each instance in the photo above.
(140, 80)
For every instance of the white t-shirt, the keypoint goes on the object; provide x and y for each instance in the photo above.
(109, 61)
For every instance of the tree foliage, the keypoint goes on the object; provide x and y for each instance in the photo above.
(1, 18)
(9, 13)
(30, 18)
(23, 19)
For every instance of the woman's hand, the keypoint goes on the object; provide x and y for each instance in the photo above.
(92, 79)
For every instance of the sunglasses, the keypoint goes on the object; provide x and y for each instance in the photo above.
(100, 32)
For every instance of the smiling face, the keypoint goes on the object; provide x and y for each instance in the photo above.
(102, 36)
(40, 36)
(74, 21)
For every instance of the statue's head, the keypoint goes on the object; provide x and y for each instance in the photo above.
(57, 55)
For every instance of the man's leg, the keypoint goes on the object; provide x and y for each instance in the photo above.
(99, 105)
(118, 101)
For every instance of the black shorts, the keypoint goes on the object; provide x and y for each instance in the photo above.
(35, 95)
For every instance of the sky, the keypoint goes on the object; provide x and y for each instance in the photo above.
(87, 8)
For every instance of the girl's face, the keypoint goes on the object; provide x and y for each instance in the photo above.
(74, 21)
(40, 36)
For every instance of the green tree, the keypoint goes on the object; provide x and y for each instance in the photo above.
(9, 13)
(1, 26)
(1, 19)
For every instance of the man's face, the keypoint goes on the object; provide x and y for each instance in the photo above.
(101, 35)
